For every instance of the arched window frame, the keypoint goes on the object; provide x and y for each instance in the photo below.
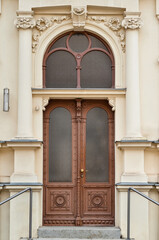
(79, 55)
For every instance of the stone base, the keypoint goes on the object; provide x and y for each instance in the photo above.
(134, 177)
(15, 178)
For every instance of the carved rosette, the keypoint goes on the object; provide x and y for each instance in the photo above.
(115, 24)
(60, 200)
(25, 22)
(132, 23)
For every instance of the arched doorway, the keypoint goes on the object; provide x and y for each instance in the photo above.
(78, 135)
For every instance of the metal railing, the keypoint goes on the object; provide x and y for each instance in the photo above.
(128, 210)
(30, 207)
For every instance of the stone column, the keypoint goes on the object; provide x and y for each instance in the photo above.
(132, 23)
(25, 23)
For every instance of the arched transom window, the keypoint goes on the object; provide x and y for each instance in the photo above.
(78, 60)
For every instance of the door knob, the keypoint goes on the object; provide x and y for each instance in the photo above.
(82, 171)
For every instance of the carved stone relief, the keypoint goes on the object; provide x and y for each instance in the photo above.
(115, 24)
(25, 22)
(45, 103)
(42, 24)
(132, 23)
(111, 101)
(78, 15)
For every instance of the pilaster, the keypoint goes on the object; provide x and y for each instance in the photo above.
(132, 23)
(24, 24)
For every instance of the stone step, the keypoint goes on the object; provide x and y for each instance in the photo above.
(69, 239)
(79, 232)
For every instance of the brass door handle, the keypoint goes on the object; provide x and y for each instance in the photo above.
(82, 171)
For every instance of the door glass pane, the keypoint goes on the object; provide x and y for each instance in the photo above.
(60, 146)
(61, 70)
(97, 150)
(96, 70)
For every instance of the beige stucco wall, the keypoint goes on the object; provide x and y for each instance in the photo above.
(8, 67)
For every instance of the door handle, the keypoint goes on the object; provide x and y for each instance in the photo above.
(82, 172)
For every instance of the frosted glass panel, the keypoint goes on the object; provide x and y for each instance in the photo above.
(60, 43)
(60, 146)
(96, 43)
(96, 70)
(97, 149)
(78, 42)
(61, 70)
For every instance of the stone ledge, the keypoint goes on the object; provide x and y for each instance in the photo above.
(125, 144)
(124, 186)
(21, 186)
(21, 143)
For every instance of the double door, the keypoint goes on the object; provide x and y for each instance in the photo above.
(78, 163)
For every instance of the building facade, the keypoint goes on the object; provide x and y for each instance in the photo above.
(76, 121)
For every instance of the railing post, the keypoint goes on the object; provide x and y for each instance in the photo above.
(30, 215)
(128, 216)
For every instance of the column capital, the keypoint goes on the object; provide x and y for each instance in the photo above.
(132, 20)
(25, 20)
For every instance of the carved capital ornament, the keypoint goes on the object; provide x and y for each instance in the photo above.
(25, 22)
(132, 23)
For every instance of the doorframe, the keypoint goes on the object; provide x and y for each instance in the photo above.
(46, 124)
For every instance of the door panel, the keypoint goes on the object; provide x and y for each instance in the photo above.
(97, 186)
(60, 163)
(78, 163)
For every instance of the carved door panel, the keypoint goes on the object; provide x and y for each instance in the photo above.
(78, 163)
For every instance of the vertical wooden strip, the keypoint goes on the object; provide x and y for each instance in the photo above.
(78, 118)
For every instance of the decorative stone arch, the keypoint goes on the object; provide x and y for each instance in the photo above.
(66, 26)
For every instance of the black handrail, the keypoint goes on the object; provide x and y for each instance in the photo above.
(128, 210)
(30, 207)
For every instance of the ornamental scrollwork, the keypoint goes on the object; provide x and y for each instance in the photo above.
(132, 23)
(25, 22)
(111, 102)
(115, 24)
(45, 103)
(43, 24)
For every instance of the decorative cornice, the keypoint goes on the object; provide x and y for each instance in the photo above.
(132, 23)
(43, 24)
(25, 22)
(114, 24)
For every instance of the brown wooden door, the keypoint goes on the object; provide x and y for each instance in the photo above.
(78, 163)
